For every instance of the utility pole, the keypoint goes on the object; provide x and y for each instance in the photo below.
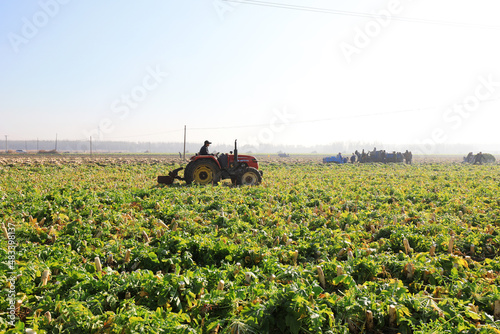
(184, 155)
(6, 145)
(56, 142)
(90, 145)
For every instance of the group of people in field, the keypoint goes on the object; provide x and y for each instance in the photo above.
(381, 156)
(408, 156)
(477, 159)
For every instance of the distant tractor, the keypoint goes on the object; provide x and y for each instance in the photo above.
(210, 169)
(337, 159)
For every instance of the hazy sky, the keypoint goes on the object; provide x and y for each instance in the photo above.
(281, 71)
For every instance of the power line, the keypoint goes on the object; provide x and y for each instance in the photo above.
(145, 134)
(359, 14)
(344, 117)
(384, 113)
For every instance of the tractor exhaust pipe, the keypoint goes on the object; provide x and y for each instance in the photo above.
(235, 151)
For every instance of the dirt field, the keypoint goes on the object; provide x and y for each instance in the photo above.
(173, 159)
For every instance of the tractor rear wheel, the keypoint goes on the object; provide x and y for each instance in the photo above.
(203, 171)
(250, 177)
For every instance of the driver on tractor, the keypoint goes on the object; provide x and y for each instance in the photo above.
(204, 148)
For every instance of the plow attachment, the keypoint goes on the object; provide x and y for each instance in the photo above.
(169, 179)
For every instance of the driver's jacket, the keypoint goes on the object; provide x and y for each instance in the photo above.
(204, 150)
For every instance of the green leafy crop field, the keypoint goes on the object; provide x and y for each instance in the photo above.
(96, 246)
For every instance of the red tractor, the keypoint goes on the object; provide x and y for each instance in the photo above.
(210, 169)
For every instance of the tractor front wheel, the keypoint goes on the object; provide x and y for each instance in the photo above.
(250, 177)
(203, 172)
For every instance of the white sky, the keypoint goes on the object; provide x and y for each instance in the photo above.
(69, 67)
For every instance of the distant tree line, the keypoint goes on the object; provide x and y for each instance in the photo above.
(81, 146)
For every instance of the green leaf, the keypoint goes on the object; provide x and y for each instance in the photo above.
(292, 323)
(136, 319)
(317, 290)
(473, 315)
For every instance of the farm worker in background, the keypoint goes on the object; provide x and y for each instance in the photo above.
(479, 159)
(353, 158)
(204, 148)
(408, 156)
(340, 156)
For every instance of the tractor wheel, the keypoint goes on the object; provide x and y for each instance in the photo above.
(202, 171)
(249, 177)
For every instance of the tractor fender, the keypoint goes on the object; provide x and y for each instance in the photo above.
(199, 157)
